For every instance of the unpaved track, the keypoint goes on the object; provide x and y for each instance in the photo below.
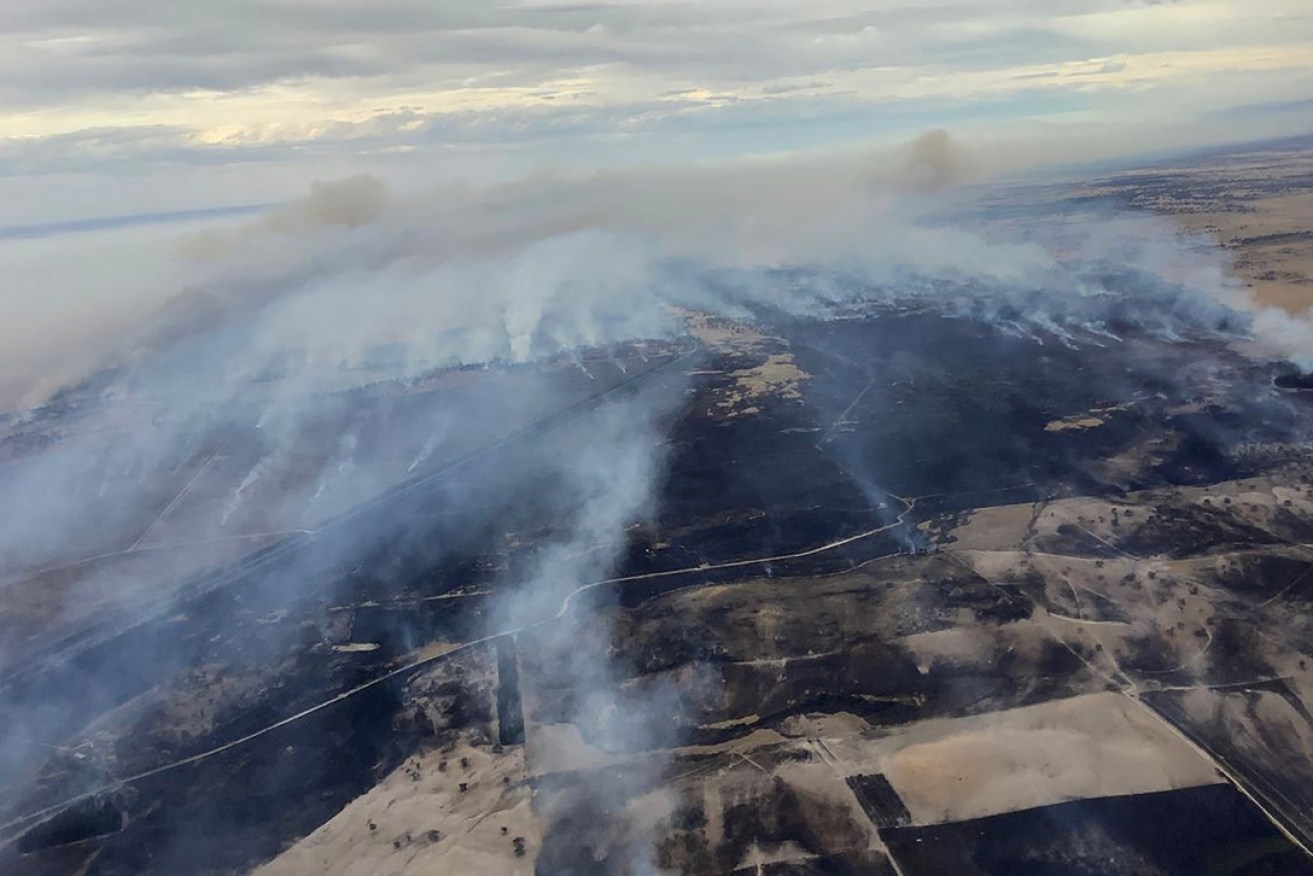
(446, 655)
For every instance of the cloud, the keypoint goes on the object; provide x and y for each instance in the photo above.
(146, 109)
(279, 70)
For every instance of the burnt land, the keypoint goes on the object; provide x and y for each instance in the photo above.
(915, 591)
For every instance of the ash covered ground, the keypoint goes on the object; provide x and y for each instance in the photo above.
(943, 582)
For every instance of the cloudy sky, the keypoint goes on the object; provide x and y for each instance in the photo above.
(135, 105)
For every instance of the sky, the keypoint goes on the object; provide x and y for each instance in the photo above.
(150, 105)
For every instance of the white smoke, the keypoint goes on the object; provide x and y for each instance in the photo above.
(519, 271)
(1286, 335)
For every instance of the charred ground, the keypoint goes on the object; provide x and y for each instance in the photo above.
(883, 543)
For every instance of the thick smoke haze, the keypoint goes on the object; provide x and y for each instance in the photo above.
(516, 271)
